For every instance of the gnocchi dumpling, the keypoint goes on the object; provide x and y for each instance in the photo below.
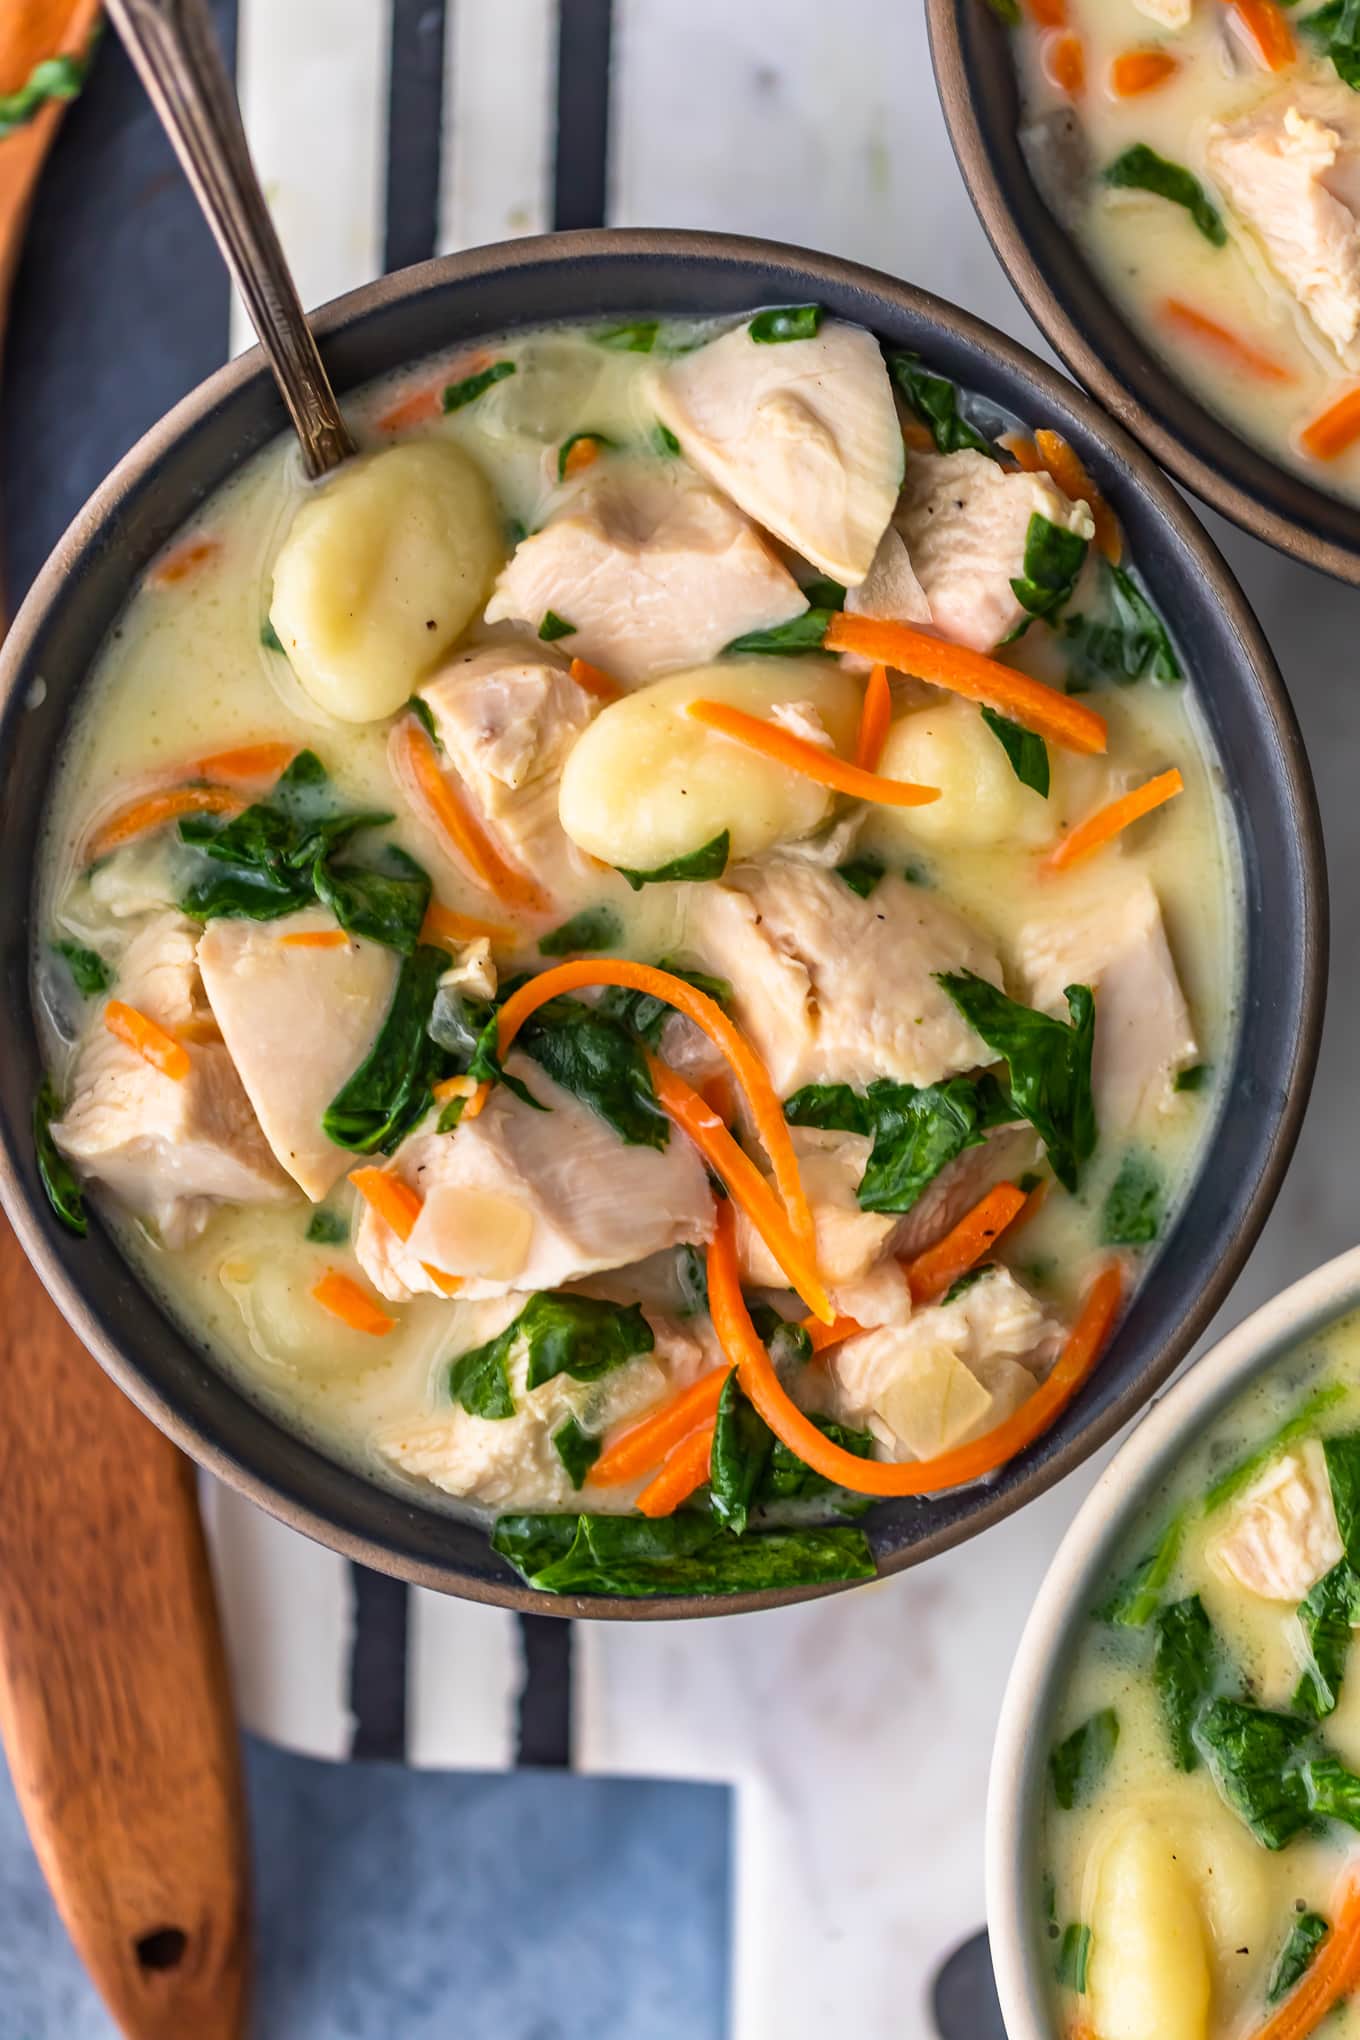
(1149, 1970)
(646, 785)
(982, 805)
(383, 568)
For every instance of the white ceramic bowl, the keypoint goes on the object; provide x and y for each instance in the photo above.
(1021, 1951)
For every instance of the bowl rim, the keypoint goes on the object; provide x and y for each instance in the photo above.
(1017, 1783)
(1252, 655)
(1127, 398)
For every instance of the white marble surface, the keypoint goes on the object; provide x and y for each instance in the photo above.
(858, 1729)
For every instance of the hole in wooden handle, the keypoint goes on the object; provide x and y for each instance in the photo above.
(162, 1948)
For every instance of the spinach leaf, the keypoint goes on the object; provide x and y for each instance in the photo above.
(1053, 559)
(805, 633)
(559, 1334)
(1140, 168)
(1137, 1598)
(1049, 1062)
(327, 1227)
(664, 441)
(688, 1553)
(916, 1132)
(599, 439)
(1074, 1957)
(691, 1274)
(1342, 1454)
(385, 903)
(786, 322)
(1133, 1209)
(58, 1178)
(270, 638)
(935, 400)
(592, 929)
(638, 337)
(1183, 1671)
(1333, 1791)
(790, 1479)
(1007, 11)
(92, 975)
(554, 626)
(1078, 1763)
(599, 1062)
(1250, 1757)
(1027, 752)
(709, 861)
(861, 874)
(1295, 1959)
(1327, 1617)
(645, 1014)
(969, 1280)
(424, 715)
(1301, 1425)
(390, 1090)
(1335, 31)
(269, 854)
(1134, 646)
(824, 593)
(456, 395)
(53, 78)
(742, 1442)
(785, 1339)
(576, 1449)
(1192, 1079)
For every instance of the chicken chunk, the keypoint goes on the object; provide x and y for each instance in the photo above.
(948, 1373)
(850, 1242)
(511, 1462)
(507, 719)
(1291, 170)
(835, 989)
(519, 1199)
(964, 520)
(890, 588)
(1002, 1157)
(652, 570)
(803, 434)
(1166, 13)
(266, 993)
(169, 1149)
(1116, 944)
(1282, 1536)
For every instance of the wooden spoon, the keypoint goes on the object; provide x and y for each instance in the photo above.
(115, 1703)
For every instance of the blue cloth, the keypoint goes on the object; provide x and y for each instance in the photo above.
(527, 1906)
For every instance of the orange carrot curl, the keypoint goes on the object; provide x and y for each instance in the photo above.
(1334, 430)
(1198, 326)
(1135, 72)
(344, 1299)
(875, 720)
(596, 681)
(932, 1272)
(644, 1445)
(683, 1473)
(150, 1041)
(1107, 822)
(809, 759)
(1268, 32)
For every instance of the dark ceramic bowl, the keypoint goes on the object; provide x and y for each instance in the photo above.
(979, 87)
(205, 439)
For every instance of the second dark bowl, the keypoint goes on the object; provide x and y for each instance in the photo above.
(600, 276)
(980, 90)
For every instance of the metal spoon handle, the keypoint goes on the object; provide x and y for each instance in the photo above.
(172, 45)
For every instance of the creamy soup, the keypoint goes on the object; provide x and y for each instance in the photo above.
(1206, 154)
(1206, 1785)
(696, 851)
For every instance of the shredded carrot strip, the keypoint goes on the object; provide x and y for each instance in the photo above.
(1333, 1974)
(343, 1298)
(454, 1087)
(755, 1370)
(700, 1123)
(1268, 31)
(153, 810)
(972, 674)
(684, 1471)
(644, 1445)
(1048, 13)
(1099, 828)
(394, 1201)
(456, 821)
(421, 407)
(1064, 466)
(443, 925)
(1064, 59)
(1199, 326)
(875, 720)
(150, 1042)
(596, 681)
(1334, 429)
(707, 1015)
(315, 938)
(809, 759)
(1135, 72)
(916, 437)
(584, 454)
(931, 1273)
(248, 762)
(717, 1091)
(823, 1337)
(182, 561)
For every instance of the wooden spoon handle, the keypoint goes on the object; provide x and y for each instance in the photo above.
(115, 1702)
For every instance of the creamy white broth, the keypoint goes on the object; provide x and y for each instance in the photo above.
(187, 675)
(1244, 1899)
(1148, 250)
